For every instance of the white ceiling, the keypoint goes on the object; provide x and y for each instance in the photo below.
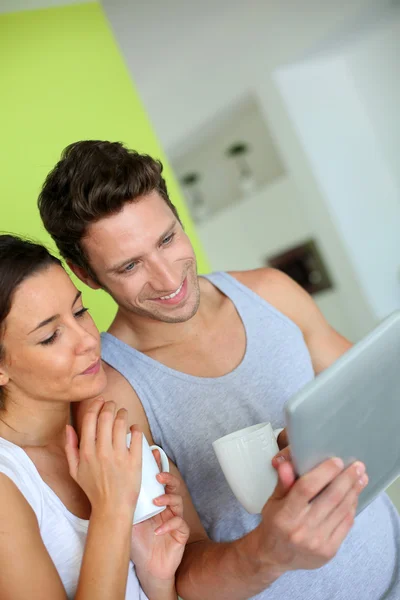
(192, 58)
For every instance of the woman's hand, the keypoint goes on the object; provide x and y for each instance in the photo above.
(158, 543)
(108, 472)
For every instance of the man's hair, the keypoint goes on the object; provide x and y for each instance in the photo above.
(92, 180)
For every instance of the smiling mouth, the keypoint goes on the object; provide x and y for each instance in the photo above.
(173, 293)
(174, 298)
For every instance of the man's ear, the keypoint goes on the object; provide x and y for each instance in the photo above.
(83, 275)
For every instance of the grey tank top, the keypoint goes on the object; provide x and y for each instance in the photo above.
(186, 414)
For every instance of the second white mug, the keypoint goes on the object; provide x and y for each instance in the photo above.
(245, 458)
(150, 488)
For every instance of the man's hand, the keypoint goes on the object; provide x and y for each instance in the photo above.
(304, 522)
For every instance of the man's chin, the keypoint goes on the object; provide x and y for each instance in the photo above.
(179, 315)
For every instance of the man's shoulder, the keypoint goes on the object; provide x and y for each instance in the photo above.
(266, 281)
(116, 383)
(282, 292)
(120, 391)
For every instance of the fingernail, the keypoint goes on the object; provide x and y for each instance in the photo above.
(280, 458)
(360, 468)
(338, 462)
(363, 481)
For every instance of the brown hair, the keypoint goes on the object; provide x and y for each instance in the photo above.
(94, 179)
(19, 259)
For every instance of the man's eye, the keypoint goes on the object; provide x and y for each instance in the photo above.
(168, 239)
(129, 267)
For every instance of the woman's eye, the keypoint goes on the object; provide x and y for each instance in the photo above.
(81, 312)
(50, 340)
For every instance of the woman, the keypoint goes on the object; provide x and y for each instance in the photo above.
(66, 512)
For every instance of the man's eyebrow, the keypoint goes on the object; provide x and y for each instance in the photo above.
(53, 317)
(128, 261)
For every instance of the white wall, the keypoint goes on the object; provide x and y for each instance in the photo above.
(375, 67)
(353, 154)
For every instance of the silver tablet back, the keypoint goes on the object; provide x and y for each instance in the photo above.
(352, 410)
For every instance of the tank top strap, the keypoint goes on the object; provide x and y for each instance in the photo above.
(252, 308)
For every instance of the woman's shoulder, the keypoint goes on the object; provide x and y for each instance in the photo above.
(17, 466)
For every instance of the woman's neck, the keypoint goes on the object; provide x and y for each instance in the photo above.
(28, 422)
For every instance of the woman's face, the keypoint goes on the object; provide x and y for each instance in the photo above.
(52, 346)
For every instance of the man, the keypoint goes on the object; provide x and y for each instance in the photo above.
(193, 358)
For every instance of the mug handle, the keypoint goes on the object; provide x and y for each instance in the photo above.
(164, 458)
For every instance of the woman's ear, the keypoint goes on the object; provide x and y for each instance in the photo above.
(4, 376)
(4, 379)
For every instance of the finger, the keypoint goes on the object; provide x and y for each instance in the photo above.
(157, 456)
(283, 439)
(347, 507)
(334, 495)
(282, 456)
(286, 480)
(174, 501)
(176, 525)
(171, 482)
(105, 425)
(341, 531)
(119, 430)
(135, 449)
(312, 483)
(89, 424)
(71, 451)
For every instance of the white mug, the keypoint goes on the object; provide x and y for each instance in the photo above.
(150, 488)
(245, 458)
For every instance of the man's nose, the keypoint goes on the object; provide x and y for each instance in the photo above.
(164, 278)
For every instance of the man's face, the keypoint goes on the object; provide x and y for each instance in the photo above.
(144, 259)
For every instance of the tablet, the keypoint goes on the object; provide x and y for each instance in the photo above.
(352, 410)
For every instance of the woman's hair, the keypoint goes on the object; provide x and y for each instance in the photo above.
(19, 259)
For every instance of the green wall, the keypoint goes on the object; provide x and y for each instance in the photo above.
(63, 79)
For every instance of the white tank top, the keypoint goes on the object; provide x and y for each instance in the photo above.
(63, 533)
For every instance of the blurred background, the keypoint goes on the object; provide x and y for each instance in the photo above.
(278, 123)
